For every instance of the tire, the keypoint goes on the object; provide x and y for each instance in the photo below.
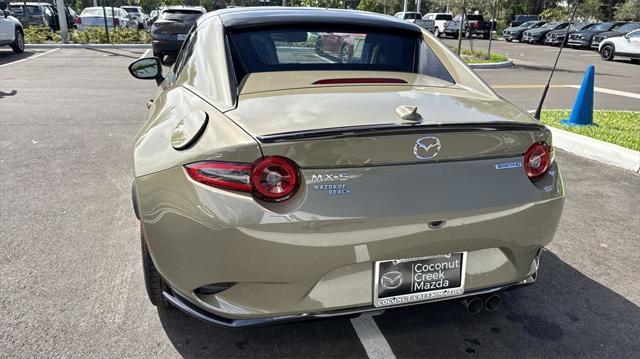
(436, 32)
(18, 43)
(485, 36)
(467, 34)
(159, 55)
(344, 54)
(635, 61)
(606, 53)
(153, 281)
(508, 40)
(454, 36)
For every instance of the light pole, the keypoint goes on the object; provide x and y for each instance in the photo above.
(62, 20)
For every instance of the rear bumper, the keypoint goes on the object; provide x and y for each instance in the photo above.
(185, 306)
(166, 46)
(318, 259)
(579, 43)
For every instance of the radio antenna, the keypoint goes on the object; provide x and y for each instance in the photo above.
(546, 87)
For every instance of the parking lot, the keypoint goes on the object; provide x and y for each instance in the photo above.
(72, 282)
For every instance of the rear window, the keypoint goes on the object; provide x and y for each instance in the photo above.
(95, 12)
(130, 10)
(19, 10)
(444, 17)
(628, 27)
(315, 49)
(475, 17)
(180, 15)
(526, 17)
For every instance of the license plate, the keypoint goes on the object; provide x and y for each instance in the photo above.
(182, 36)
(402, 281)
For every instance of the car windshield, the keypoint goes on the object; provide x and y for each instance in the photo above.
(319, 49)
(19, 10)
(444, 17)
(475, 17)
(180, 15)
(605, 26)
(550, 25)
(528, 24)
(96, 11)
(628, 27)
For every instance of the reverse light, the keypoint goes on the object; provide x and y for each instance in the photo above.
(537, 160)
(272, 178)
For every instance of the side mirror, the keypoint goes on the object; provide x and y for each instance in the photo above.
(148, 68)
(7, 13)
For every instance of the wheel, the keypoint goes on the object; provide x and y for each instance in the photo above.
(436, 32)
(344, 54)
(18, 43)
(485, 36)
(508, 40)
(159, 55)
(635, 61)
(606, 53)
(152, 279)
(467, 34)
(454, 36)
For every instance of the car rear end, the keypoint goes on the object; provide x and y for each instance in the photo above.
(95, 17)
(330, 189)
(29, 15)
(170, 30)
(580, 39)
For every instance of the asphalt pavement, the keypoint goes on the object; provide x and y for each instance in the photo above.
(71, 273)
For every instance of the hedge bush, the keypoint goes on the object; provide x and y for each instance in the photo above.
(91, 35)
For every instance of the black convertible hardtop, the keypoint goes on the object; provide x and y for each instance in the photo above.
(252, 17)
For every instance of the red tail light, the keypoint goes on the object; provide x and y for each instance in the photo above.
(475, 25)
(270, 178)
(78, 21)
(360, 80)
(116, 22)
(537, 160)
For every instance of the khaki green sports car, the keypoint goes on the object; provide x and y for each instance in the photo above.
(303, 163)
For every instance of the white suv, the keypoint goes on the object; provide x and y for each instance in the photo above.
(440, 20)
(136, 13)
(11, 32)
(625, 46)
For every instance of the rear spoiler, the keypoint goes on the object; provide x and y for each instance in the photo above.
(395, 129)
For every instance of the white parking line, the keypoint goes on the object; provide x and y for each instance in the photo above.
(144, 54)
(30, 57)
(371, 338)
(610, 91)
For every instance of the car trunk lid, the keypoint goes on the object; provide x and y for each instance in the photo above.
(360, 125)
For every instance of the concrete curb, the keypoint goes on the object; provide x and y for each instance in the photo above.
(596, 150)
(494, 65)
(87, 46)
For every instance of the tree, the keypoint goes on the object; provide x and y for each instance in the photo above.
(629, 11)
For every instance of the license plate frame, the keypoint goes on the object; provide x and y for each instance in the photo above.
(182, 37)
(392, 296)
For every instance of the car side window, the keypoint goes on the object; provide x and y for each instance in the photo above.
(429, 64)
(185, 53)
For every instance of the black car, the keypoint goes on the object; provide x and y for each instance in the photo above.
(515, 33)
(521, 19)
(171, 28)
(583, 38)
(556, 37)
(474, 25)
(537, 35)
(622, 30)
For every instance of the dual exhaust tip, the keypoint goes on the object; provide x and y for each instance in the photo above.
(490, 302)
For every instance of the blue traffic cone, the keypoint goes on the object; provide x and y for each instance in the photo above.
(582, 112)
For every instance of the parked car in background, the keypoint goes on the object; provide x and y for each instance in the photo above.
(439, 21)
(171, 28)
(11, 32)
(515, 33)
(537, 35)
(416, 18)
(136, 13)
(521, 19)
(474, 25)
(94, 16)
(582, 39)
(620, 31)
(35, 14)
(153, 16)
(556, 37)
(626, 46)
(340, 46)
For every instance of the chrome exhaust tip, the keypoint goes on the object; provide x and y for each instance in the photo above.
(473, 305)
(492, 302)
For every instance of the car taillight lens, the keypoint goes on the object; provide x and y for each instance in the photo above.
(271, 178)
(78, 21)
(537, 160)
(116, 22)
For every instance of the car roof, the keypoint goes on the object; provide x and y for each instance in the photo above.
(185, 7)
(249, 17)
(30, 3)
